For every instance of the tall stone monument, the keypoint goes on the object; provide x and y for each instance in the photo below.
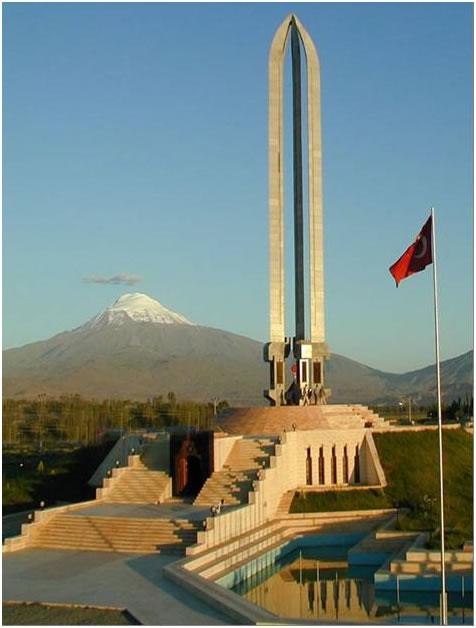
(309, 349)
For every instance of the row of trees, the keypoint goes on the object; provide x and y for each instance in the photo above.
(458, 409)
(74, 419)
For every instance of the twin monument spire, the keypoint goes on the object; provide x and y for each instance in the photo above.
(309, 350)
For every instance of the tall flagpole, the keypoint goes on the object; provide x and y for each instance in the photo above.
(444, 613)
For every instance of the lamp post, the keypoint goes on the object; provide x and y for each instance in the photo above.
(402, 405)
(41, 399)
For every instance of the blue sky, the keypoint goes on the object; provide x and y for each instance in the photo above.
(135, 141)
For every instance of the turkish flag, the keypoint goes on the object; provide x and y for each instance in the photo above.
(416, 257)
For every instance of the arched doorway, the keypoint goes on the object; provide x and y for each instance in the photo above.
(191, 460)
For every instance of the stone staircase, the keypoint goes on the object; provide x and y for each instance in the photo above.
(117, 523)
(115, 534)
(284, 504)
(413, 563)
(234, 481)
(216, 562)
(135, 484)
(351, 415)
(425, 562)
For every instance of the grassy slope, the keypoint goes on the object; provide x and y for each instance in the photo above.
(42, 614)
(410, 462)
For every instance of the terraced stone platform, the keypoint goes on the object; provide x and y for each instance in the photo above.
(275, 420)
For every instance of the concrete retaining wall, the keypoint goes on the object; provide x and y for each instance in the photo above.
(222, 446)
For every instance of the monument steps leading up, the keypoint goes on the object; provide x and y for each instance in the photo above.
(135, 484)
(235, 480)
(68, 527)
(118, 534)
(247, 548)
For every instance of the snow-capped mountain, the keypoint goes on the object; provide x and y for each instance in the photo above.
(136, 307)
(137, 348)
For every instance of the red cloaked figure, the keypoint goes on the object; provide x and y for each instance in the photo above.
(416, 257)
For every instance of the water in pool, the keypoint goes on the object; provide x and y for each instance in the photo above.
(316, 583)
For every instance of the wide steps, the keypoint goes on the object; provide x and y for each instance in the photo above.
(157, 522)
(129, 549)
(241, 548)
(103, 546)
(115, 534)
(93, 529)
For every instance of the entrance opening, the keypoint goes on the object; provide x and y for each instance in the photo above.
(357, 465)
(321, 466)
(334, 466)
(191, 457)
(308, 467)
(345, 466)
(193, 476)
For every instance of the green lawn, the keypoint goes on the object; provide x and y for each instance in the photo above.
(410, 463)
(45, 615)
(340, 500)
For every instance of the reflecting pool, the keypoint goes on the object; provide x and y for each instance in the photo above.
(316, 583)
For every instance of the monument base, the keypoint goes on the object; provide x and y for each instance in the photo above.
(278, 419)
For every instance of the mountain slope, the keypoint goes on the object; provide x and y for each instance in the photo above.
(138, 361)
(137, 348)
(351, 381)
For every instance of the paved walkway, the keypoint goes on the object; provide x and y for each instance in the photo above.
(128, 581)
(147, 511)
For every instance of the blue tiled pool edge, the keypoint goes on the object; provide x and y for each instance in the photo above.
(383, 580)
(267, 559)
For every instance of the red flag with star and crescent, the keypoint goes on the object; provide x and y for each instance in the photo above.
(416, 257)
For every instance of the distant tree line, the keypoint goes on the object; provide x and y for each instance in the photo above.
(459, 409)
(44, 421)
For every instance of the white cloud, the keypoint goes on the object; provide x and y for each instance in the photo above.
(126, 279)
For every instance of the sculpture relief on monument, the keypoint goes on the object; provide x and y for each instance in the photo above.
(309, 349)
